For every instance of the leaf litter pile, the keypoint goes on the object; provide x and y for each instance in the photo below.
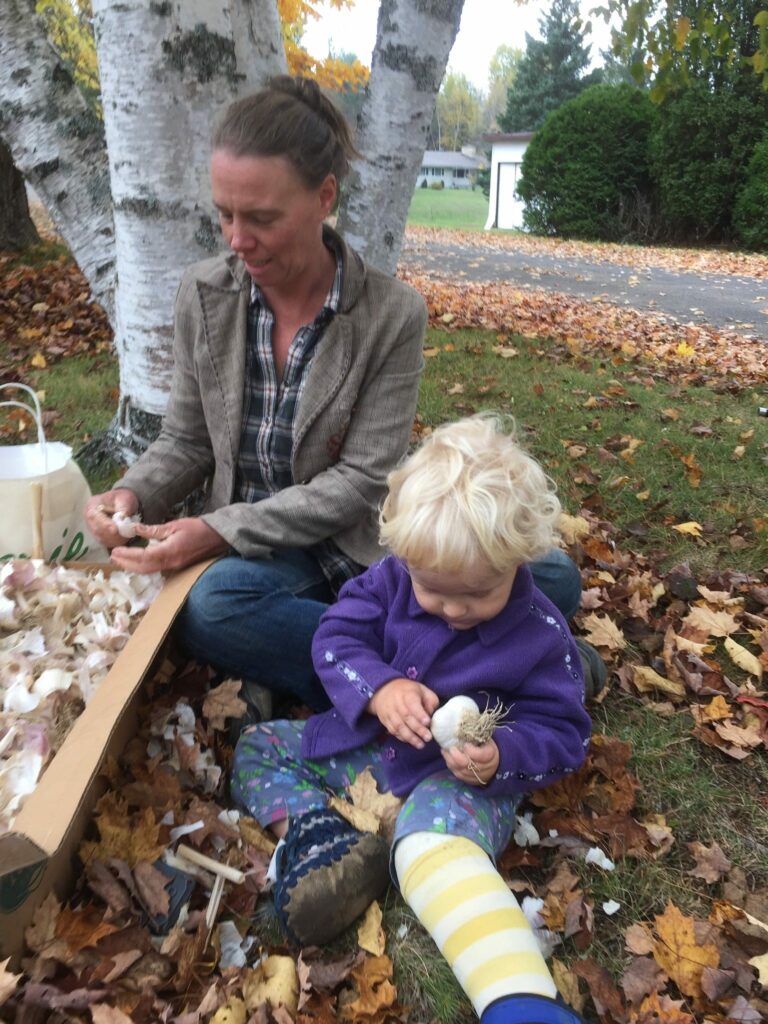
(132, 944)
(117, 952)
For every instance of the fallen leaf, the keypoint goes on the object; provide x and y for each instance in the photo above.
(711, 862)
(690, 529)
(603, 632)
(222, 702)
(678, 953)
(370, 934)
(758, 962)
(646, 680)
(8, 981)
(745, 660)
(365, 796)
(274, 981)
(709, 622)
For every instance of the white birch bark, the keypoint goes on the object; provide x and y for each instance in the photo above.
(167, 70)
(57, 143)
(413, 42)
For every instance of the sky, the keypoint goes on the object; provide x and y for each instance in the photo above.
(485, 24)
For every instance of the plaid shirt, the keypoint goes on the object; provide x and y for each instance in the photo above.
(269, 411)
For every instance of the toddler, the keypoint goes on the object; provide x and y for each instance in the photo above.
(451, 610)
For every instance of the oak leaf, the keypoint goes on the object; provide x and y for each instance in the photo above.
(678, 953)
(711, 862)
(641, 978)
(222, 702)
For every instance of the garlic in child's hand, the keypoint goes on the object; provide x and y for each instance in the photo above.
(125, 525)
(460, 721)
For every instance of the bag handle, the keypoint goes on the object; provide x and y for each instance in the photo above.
(36, 413)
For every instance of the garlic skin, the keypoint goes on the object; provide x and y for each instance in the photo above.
(125, 525)
(447, 719)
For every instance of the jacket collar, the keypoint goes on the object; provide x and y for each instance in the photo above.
(492, 631)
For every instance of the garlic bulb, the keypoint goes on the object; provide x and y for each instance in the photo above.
(461, 721)
(447, 721)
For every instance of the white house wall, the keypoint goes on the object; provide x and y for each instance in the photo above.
(505, 208)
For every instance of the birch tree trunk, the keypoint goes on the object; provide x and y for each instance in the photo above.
(414, 39)
(16, 228)
(167, 70)
(57, 143)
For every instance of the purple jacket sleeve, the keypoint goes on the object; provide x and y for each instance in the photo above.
(347, 649)
(545, 734)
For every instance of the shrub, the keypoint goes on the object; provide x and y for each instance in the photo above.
(437, 185)
(585, 172)
(699, 154)
(750, 216)
(423, 183)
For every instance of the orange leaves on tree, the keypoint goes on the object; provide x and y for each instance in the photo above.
(330, 72)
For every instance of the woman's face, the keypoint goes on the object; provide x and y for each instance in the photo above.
(268, 217)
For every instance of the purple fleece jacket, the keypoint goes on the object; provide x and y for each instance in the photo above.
(525, 657)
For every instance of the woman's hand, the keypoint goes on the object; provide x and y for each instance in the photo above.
(179, 543)
(404, 707)
(473, 764)
(99, 511)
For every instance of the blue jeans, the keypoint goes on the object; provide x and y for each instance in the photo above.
(256, 618)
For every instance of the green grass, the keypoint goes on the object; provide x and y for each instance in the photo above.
(552, 398)
(449, 208)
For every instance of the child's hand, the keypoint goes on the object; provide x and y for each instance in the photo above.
(472, 764)
(404, 707)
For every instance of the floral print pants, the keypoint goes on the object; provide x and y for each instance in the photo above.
(271, 781)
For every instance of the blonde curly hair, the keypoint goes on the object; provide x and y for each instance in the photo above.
(470, 494)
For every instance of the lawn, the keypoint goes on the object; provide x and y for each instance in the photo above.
(460, 208)
(637, 453)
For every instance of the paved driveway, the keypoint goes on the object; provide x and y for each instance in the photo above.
(740, 303)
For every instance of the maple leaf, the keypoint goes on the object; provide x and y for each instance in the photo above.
(711, 862)
(605, 995)
(656, 1009)
(370, 934)
(709, 622)
(365, 796)
(376, 995)
(603, 632)
(222, 702)
(124, 837)
(677, 951)
(82, 928)
(8, 981)
(638, 939)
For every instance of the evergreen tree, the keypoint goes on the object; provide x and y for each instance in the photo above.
(551, 71)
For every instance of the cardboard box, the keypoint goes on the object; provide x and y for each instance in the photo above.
(37, 856)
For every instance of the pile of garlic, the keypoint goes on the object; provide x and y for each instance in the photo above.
(60, 631)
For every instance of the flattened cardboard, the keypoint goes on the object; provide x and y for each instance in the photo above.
(36, 858)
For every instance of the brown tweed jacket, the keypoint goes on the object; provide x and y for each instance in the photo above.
(351, 428)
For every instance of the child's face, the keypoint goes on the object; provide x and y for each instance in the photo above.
(464, 601)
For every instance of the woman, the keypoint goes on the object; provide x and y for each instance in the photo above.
(296, 371)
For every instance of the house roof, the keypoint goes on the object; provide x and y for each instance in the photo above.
(454, 160)
(508, 137)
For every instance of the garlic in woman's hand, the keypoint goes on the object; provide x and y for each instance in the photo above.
(125, 525)
(461, 721)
